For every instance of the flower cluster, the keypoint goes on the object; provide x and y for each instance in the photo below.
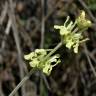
(82, 22)
(36, 60)
(71, 33)
(71, 36)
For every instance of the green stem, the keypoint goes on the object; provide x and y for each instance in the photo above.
(55, 49)
(22, 82)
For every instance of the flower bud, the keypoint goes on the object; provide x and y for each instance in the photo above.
(82, 22)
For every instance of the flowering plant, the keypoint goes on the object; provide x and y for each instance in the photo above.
(71, 36)
(71, 33)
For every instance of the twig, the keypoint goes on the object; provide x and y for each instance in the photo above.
(4, 13)
(45, 81)
(47, 16)
(1, 92)
(15, 33)
(22, 82)
(7, 30)
(42, 42)
(92, 57)
(90, 63)
(42, 25)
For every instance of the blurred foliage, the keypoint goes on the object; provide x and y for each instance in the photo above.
(73, 76)
(91, 4)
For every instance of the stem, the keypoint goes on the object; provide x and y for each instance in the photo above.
(55, 49)
(22, 82)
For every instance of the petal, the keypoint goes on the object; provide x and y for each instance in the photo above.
(29, 56)
(57, 26)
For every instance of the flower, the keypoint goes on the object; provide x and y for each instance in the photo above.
(66, 28)
(71, 32)
(36, 60)
(82, 22)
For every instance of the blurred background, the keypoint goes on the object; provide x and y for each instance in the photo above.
(26, 25)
